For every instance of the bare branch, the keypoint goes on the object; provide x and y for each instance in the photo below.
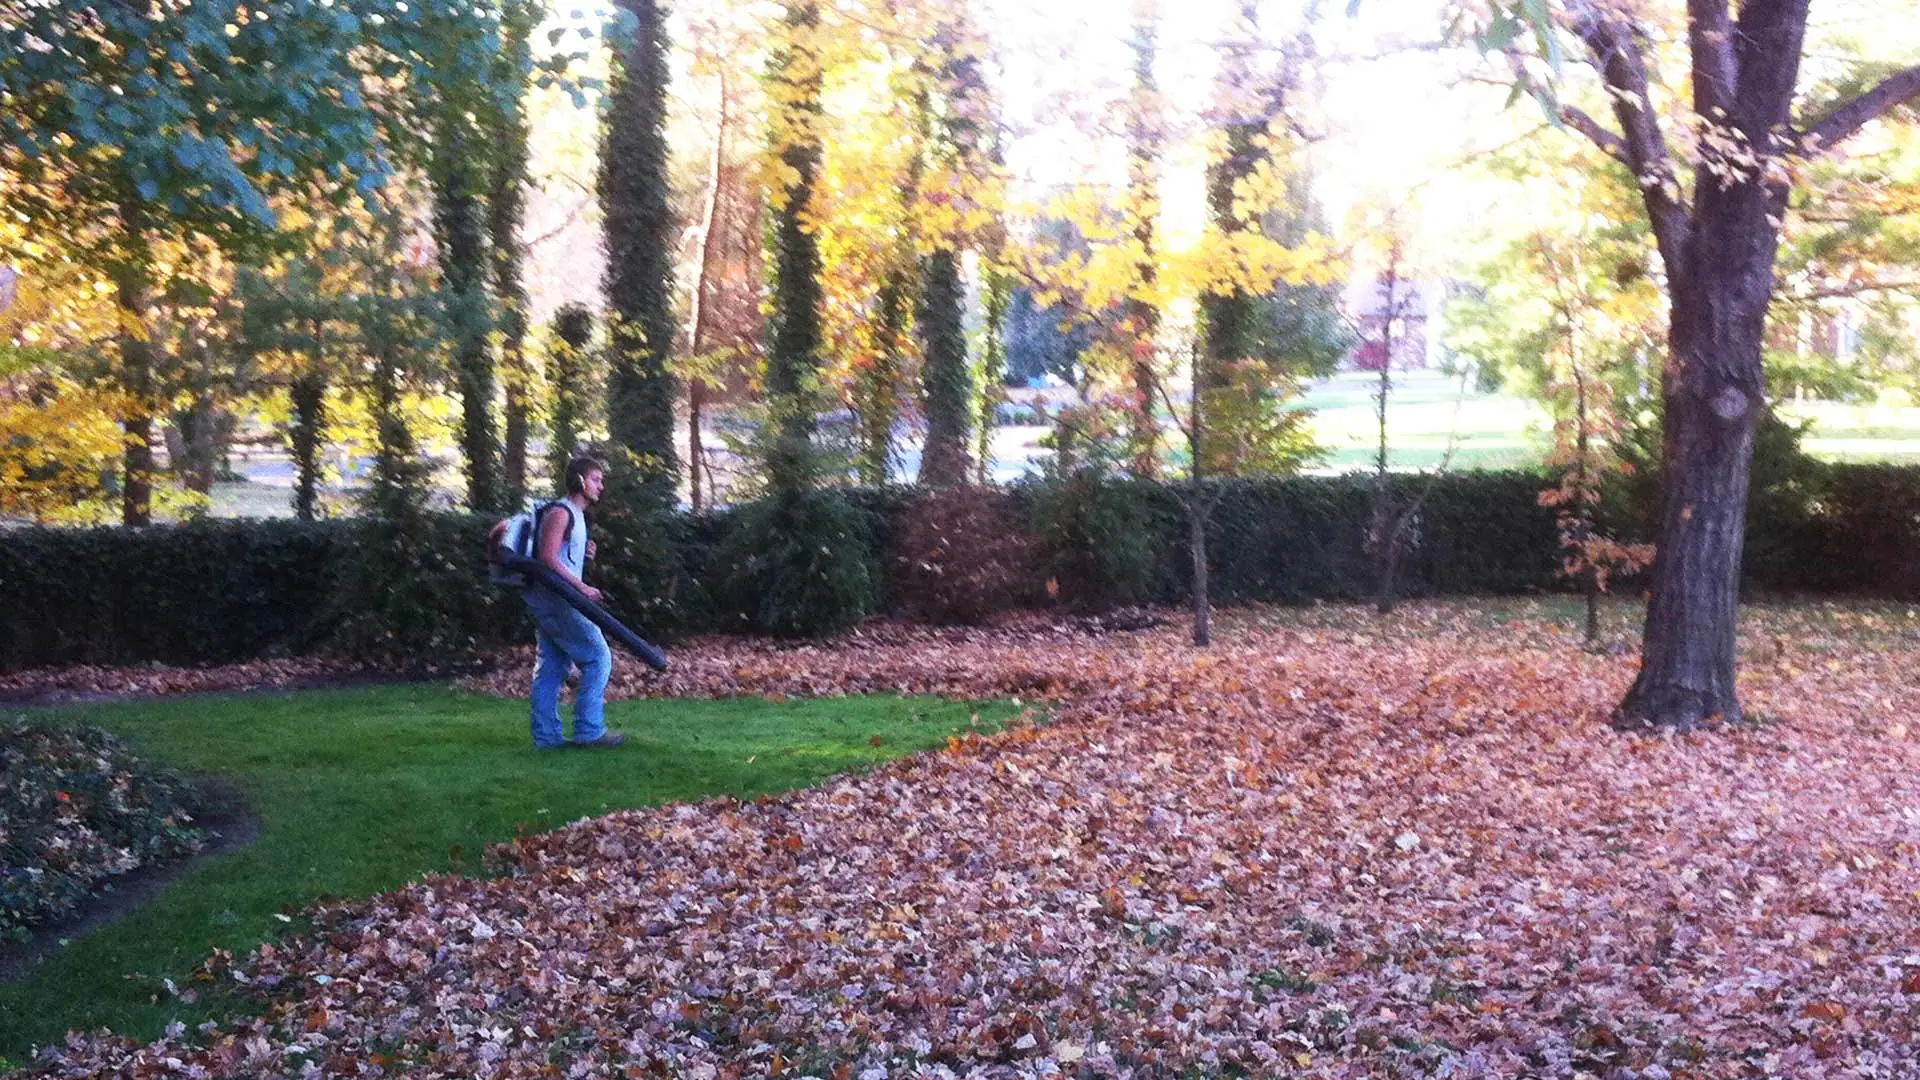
(1852, 115)
(1614, 146)
(1610, 38)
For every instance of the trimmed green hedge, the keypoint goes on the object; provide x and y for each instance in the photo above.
(202, 593)
(221, 591)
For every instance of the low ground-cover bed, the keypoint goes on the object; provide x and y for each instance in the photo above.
(1355, 848)
(77, 809)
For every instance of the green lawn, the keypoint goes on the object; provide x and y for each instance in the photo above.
(1887, 430)
(1427, 412)
(358, 791)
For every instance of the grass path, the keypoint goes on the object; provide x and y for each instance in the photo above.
(359, 791)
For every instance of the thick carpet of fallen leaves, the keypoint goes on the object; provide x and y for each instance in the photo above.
(1304, 852)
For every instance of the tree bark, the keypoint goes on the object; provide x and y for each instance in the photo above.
(309, 393)
(946, 382)
(1713, 402)
(1719, 261)
(1197, 541)
(1199, 509)
(1719, 289)
(136, 372)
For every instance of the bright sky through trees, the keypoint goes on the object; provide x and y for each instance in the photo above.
(1390, 117)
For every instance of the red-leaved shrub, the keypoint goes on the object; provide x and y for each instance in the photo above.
(961, 555)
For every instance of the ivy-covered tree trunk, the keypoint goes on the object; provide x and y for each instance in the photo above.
(461, 232)
(1226, 318)
(989, 386)
(878, 387)
(396, 488)
(946, 379)
(201, 430)
(639, 240)
(1142, 323)
(505, 208)
(794, 330)
(567, 384)
(304, 436)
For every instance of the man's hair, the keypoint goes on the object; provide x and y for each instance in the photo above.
(577, 471)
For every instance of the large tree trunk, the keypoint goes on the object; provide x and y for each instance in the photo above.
(1719, 261)
(136, 373)
(1714, 396)
(304, 436)
(946, 382)
(136, 364)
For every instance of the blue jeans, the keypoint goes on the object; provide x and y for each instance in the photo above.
(567, 638)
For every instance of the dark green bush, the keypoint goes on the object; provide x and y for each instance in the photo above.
(1290, 540)
(411, 594)
(1862, 535)
(204, 592)
(1484, 532)
(1103, 542)
(644, 560)
(75, 809)
(797, 565)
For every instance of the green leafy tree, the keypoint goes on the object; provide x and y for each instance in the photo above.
(960, 146)
(800, 560)
(176, 131)
(793, 330)
(1257, 346)
(460, 232)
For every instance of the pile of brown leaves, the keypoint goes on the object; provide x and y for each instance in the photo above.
(1303, 852)
(91, 682)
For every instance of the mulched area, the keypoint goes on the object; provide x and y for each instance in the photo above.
(92, 682)
(1417, 851)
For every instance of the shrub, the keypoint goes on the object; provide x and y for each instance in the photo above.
(642, 557)
(1104, 542)
(960, 555)
(203, 592)
(411, 594)
(797, 565)
(75, 809)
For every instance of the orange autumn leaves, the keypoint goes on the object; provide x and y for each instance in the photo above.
(1325, 848)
